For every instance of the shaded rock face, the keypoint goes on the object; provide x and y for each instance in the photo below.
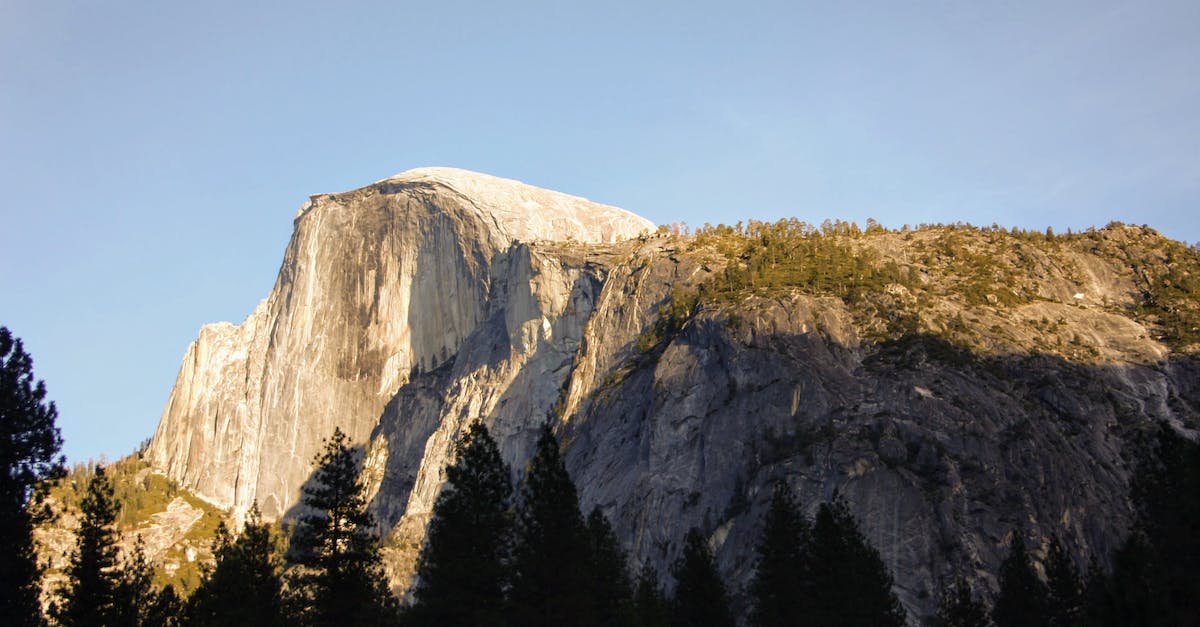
(409, 308)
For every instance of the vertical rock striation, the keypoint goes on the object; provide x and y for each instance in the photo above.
(406, 309)
(377, 284)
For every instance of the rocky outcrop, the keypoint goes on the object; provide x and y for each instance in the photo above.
(377, 285)
(411, 307)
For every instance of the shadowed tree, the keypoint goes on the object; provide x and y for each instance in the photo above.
(958, 608)
(700, 598)
(610, 573)
(650, 608)
(551, 582)
(29, 446)
(779, 572)
(90, 597)
(244, 587)
(1064, 588)
(462, 572)
(167, 610)
(847, 581)
(1156, 572)
(1022, 600)
(135, 589)
(1166, 497)
(341, 581)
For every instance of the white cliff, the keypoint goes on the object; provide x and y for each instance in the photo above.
(377, 284)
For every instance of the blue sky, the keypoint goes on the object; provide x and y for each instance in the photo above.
(152, 154)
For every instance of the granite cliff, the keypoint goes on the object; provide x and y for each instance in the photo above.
(955, 384)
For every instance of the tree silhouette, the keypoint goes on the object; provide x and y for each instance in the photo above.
(700, 598)
(610, 573)
(462, 572)
(167, 609)
(1166, 497)
(1155, 578)
(1022, 600)
(551, 583)
(779, 576)
(244, 587)
(29, 446)
(135, 592)
(1064, 588)
(958, 608)
(847, 581)
(93, 579)
(341, 580)
(650, 608)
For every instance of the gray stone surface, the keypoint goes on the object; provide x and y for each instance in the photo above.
(406, 309)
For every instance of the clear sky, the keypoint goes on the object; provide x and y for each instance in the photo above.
(153, 154)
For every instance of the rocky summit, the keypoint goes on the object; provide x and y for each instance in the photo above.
(955, 384)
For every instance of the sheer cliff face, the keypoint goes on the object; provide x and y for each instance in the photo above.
(406, 309)
(377, 284)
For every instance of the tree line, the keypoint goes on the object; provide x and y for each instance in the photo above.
(496, 554)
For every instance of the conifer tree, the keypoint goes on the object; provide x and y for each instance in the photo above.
(462, 572)
(29, 446)
(1022, 600)
(1064, 588)
(650, 608)
(341, 581)
(958, 608)
(90, 598)
(700, 598)
(779, 574)
(1156, 572)
(167, 609)
(551, 581)
(847, 582)
(1166, 497)
(609, 572)
(135, 591)
(1098, 607)
(244, 587)
(1136, 593)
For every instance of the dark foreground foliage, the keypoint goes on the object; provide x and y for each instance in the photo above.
(29, 459)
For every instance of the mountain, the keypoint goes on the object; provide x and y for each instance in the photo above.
(956, 384)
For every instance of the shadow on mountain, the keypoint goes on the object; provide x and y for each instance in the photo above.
(941, 452)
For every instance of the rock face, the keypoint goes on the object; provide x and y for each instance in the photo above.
(377, 285)
(409, 308)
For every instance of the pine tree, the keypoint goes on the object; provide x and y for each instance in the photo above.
(1065, 590)
(1166, 495)
(779, 573)
(1137, 593)
(700, 598)
(91, 594)
(135, 591)
(341, 580)
(550, 584)
(958, 608)
(1022, 600)
(650, 608)
(609, 572)
(462, 572)
(167, 609)
(1155, 579)
(244, 587)
(1099, 603)
(847, 582)
(29, 446)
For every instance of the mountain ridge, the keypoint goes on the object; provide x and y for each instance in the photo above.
(953, 382)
